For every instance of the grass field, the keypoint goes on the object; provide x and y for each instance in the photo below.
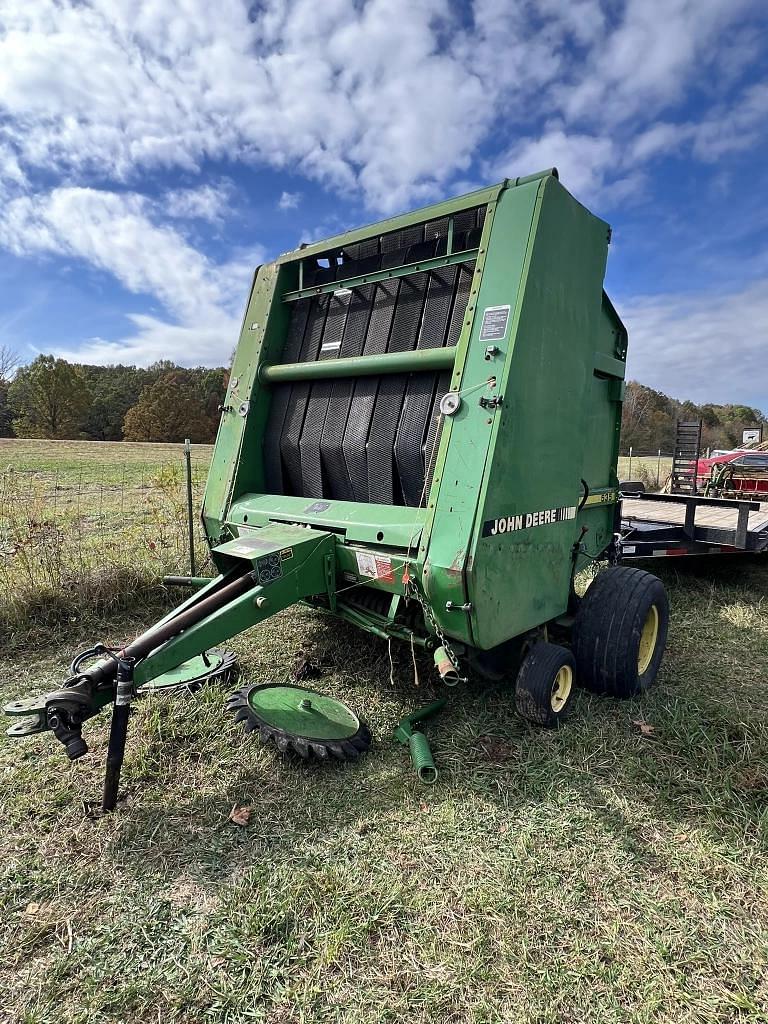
(87, 528)
(594, 874)
(651, 470)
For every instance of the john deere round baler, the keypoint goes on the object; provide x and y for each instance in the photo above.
(420, 436)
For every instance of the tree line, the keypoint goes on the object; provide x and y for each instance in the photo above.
(649, 419)
(53, 398)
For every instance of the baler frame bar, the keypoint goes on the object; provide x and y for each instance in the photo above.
(414, 361)
(422, 266)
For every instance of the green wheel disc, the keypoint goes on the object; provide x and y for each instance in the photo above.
(217, 665)
(308, 723)
(301, 712)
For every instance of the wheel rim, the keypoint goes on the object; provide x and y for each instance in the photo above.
(301, 712)
(561, 688)
(648, 637)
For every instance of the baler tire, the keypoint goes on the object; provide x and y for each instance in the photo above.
(620, 632)
(545, 685)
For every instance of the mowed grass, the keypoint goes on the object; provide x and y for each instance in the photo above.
(93, 462)
(592, 874)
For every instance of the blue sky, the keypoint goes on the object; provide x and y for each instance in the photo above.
(152, 153)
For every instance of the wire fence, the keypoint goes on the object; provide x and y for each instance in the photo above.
(652, 468)
(97, 534)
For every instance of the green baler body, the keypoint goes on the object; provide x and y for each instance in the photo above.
(510, 479)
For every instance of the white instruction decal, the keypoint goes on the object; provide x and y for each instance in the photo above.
(375, 567)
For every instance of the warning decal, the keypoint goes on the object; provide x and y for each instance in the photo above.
(375, 567)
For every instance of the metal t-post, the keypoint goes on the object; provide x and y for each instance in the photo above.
(190, 509)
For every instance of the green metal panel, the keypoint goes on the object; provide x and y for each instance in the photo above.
(389, 525)
(527, 519)
(302, 556)
(467, 435)
(234, 467)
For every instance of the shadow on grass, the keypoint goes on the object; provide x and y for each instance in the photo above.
(703, 767)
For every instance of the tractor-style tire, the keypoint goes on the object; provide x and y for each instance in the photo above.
(545, 685)
(620, 632)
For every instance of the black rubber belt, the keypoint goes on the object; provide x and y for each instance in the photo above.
(312, 485)
(281, 400)
(389, 399)
(366, 389)
(335, 473)
(420, 388)
(294, 420)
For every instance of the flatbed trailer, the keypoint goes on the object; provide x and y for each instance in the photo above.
(664, 525)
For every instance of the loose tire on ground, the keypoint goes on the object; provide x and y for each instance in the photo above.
(620, 632)
(545, 685)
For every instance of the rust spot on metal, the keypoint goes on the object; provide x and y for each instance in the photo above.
(456, 568)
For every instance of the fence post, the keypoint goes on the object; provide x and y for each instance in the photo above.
(629, 473)
(190, 509)
(658, 469)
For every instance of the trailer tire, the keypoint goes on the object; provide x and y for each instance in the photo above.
(545, 685)
(620, 632)
(631, 487)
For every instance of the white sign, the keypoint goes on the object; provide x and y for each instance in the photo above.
(752, 434)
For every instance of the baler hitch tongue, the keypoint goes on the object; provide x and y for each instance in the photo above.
(421, 754)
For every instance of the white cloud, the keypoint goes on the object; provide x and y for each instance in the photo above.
(642, 66)
(115, 233)
(391, 97)
(207, 343)
(583, 161)
(289, 200)
(703, 346)
(737, 127)
(208, 202)
(330, 90)
(385, 100)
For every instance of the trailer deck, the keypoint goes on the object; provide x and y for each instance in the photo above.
(660, 525)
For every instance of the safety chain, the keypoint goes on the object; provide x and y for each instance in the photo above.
(444, 641)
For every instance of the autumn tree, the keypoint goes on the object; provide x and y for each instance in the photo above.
(49, 398)
(9, 362)
(115, 390)
(171, 409)
(6, 413)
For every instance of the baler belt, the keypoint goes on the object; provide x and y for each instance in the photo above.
(366, 439)
(389, 400)
(365, 390)
(317, 403)
(281, 402)
(331, 442)
(419, 391)
(289, 440)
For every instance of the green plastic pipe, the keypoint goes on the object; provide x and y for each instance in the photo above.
(421, 754)
(361, 366)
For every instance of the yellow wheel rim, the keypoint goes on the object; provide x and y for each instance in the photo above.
(648, 638)
(561, 688)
